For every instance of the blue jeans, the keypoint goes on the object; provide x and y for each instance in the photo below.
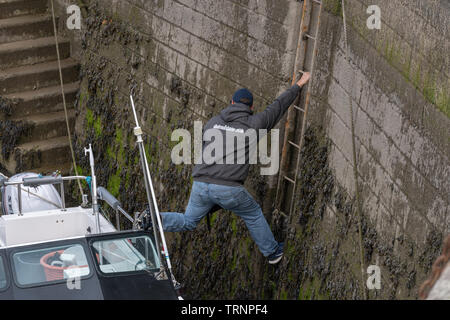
(237, 199)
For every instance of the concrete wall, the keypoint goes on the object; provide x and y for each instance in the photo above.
(183, 59)
(397, 78)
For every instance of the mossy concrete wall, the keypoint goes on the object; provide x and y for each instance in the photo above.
(183, 59)
(397, 78)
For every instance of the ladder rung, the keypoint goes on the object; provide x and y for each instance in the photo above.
(299, 109)
(317, 1)
(283, 214)
(307, 35)
(294, 144)
(289, 179)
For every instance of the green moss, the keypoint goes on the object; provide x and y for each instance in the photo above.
(429, 89)
(290, 276)
(234, 262)
(215, 253)
(110, 153)
(114, 184)
(213, 218)
(300, 294)
(283, 295)
(98, 127)
(388, 52)
(443, 101)
(179, 168)
(80, 171)
(305, 292)
(147, 153)
(234, 225)
(89, 117)
(290, 249)
(311, 290)
(84, 96)
(333, 6)
(406, 71)
(432, 90)
(119, 136)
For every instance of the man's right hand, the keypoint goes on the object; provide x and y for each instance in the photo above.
(304, 79)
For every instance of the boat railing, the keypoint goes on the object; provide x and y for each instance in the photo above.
(102, 193)
(43, 180)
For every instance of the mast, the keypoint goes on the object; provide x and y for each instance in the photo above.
(93, 188)
(151, 198)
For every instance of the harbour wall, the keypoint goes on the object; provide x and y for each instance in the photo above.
(183, 59)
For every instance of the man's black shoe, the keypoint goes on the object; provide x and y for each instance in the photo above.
(277, 255)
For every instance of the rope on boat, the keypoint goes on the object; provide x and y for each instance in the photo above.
(64, 99)
(39, 197)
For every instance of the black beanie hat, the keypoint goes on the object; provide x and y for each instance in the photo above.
(243, 94)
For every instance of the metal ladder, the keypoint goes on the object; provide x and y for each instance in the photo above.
(297, 116)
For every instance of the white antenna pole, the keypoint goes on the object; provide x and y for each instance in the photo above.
(93, 187)
(149, 187)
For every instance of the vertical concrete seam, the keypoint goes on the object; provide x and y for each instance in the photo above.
(355, 166)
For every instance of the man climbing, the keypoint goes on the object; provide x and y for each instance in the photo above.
(221, 184)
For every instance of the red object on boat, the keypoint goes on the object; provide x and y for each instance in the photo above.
(53, 273)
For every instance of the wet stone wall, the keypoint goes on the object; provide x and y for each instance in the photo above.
(183, 59)
(397, 78)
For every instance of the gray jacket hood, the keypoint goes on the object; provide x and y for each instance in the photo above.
(235, 112)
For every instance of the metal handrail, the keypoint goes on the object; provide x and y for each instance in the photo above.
(35, 182)
(6, 183)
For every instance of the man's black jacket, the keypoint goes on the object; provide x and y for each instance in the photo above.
(238, 119)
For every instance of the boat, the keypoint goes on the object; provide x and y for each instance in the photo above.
(50, 251)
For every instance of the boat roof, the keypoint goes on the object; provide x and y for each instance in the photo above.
(49, 225)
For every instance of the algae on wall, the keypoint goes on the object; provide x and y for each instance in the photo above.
(322, 257)
(110, 68)
(11, 132)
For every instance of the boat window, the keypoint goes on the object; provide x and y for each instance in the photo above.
(126, 254)
(3, 281)
(50, 264)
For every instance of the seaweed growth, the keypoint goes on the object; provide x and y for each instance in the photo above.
(176, 86)
(320, 256)
(316, 180)
(110, 61)
(6, 106)
(10, 134)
